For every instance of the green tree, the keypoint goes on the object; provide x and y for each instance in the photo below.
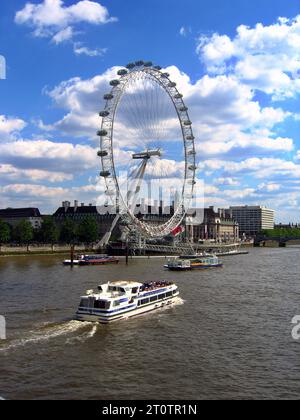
(49, 232)
(68, 232)
(4, 232)
(23, 232)
(88, 230)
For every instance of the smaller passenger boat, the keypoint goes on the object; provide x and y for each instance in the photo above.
(123, 299)
(194, 263)
(92, 260)
(98, 260)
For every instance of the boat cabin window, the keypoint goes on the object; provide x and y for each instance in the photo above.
(162, 296)
(116, 289)
(84, 303)
(135, 290)
(102, 304)
(153, 299)
(168, 294)
(145, 301)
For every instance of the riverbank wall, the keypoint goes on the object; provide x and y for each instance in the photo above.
(47, 249)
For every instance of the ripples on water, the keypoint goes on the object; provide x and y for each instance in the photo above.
(230, 339)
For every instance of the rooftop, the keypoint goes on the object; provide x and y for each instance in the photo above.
(20, 213)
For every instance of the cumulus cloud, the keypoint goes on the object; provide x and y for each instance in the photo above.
(223, 110)
(48, 155)
(10, 173)
(267, 58)
(53, 19)
(80, 49)
(10, 127)
(48, 198)
(259, 168)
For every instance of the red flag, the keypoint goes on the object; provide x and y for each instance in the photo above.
(177, 231)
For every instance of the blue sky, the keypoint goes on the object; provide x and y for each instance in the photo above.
(241, 85)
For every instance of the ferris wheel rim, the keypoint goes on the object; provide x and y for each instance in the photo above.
(106, 135)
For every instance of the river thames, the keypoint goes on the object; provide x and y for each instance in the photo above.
(229, 337)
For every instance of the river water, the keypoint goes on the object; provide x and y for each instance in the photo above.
(229, 336)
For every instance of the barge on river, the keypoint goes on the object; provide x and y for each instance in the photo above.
(92, 260)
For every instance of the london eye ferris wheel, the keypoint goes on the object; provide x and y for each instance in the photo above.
(146, 133)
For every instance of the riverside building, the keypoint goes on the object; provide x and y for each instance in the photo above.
(253, 219)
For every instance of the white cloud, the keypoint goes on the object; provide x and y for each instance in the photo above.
(266, 58)
(45, 160)
(63, 35)
(45, 197)
(80, 49)
(10, 173)
(10, 127)
(182, 31)
(232, 182)
(259, 168)
(244, 138)
(51, 18)
(225, 116)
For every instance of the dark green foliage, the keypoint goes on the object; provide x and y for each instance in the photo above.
(48, 233)
(68, 232)
(88, 230)
(5, 234)
(282, 233)
(23, 232)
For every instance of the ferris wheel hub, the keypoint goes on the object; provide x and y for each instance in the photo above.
(147, 155)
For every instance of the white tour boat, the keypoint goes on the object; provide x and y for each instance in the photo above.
(124, 299)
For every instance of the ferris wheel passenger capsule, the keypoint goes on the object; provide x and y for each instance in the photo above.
(130, 66)
(108, 96)
(172, 84)
(183, 109)
(139, 63)
(122, 72)
(178, 96)
(192, 167)
(104, 114)
(192, 153)
(102, 153)
(102, 133)
(190, 138)
(105, 174)
(114, 83)
(187, 123)
(165, 75)
(157, 68)
(148, 64)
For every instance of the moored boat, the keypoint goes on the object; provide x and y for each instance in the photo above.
(194, 263)
(92, 260)
(124, 299)
(98, 260)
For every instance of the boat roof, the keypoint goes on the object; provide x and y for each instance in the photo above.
(124, 283)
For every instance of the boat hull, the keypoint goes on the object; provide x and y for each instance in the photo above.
(136, 311)
(69, 262)
(98, 262)
(195, 267)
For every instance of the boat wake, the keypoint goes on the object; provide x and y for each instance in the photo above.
(51, 331)
(85, 336)
(178, 301)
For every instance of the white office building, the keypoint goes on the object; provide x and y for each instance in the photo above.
(253, 219)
